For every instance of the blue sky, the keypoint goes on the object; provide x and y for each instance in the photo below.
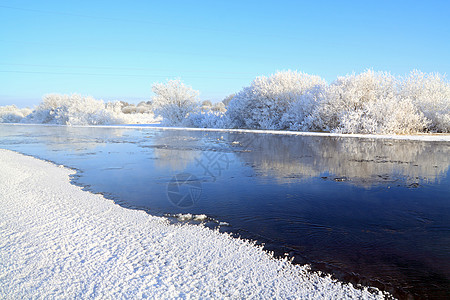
(118, 49)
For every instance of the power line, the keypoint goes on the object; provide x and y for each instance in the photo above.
(119, 68)
(114, 75)
(141, 50)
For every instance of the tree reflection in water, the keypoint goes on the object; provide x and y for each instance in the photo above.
(364, 162)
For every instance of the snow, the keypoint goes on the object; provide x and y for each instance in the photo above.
(58, 241)
(187, 217)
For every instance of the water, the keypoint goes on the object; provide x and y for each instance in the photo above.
(368, 211)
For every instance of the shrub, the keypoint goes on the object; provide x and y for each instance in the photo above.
(210, 119)
(174, 101)
(13, 114)
(219, 107)
(227, 99)
(71, 110)
(367, 103)
(430, 93)
(79, 110)
(269, 101)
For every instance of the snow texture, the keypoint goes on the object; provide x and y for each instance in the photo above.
(58, 241)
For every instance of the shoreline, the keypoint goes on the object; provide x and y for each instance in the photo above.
(426, 137)
(60, 241)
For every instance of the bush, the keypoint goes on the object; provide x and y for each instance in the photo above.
(219, 107)
(227, 99)
(175, 101)
(208, 119)
(430, 93)
(13, 114)
(269, 102)
(299, 114)
(369, 102)
(79, 110)
(71, 110)
(129, 109)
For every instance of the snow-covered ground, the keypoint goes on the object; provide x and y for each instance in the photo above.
(58, 241)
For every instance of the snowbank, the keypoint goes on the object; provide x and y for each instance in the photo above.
(57, 241)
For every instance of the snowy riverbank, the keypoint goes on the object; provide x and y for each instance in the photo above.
(429, 137)
(57, 241)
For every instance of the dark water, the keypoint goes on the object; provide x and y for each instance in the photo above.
(368, 211)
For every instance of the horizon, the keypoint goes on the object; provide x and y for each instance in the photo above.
(117, 51)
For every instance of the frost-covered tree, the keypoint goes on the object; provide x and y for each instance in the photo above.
(370, 102)
(430, 93)
(299, 115)
(80, 110)
(144, 107)
(129, 109)
(210, 119)
(206, 105)
(13, 114)
(367, 103)
(268, 101)
(219, 107)
(174, 101)
(140, 114)
(71, 110)
(227, 99)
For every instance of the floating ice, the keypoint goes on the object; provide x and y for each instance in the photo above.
(200, 217)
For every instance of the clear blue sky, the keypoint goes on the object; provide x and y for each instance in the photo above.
(117, 49)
